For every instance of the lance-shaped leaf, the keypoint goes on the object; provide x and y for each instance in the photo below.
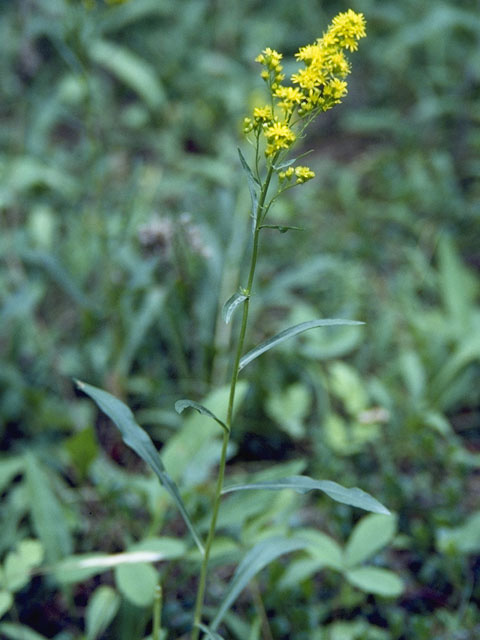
(252, 187)
(254, 561)
(290, 333)
(231, 304)
(283, 228)
(138, 439)
(180, 405)
(302, 484)
(78, 568)
(288, 163)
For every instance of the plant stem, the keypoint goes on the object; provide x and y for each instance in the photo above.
(257, 596)
(157, 612)
(231, 402)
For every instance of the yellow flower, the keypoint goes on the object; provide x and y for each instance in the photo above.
(326, 64)
(307, 53)
(247, 125)
(348, 28)
(290, 97)
(286, 175)
(303, 174)
(262, 114)
(309, 78)
(272, 74)
(279, 136)
(318, 86)
(270, 58)
(335, 89)
(338, 64)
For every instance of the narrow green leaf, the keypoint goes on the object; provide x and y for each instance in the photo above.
(288, 163)
(231, 304)
(78, 568)
(139, 325)
(290, 333)
(252, 187)
(302, 484)
(283, 228)
(12, 631)
(49, 521)
(138, 439)
(167, 548)
(180, 405)
(81, 567)
(254, 561)
(376, 580)
(9, 468)
(6, 601)
(132, 70)
(370, 535)
(101, 609)
(210, 634)
(196, 433)
(59, 274)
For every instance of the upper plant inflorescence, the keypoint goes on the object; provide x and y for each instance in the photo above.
(318, 86)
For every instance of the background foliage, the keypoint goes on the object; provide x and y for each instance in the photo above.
(123, 219)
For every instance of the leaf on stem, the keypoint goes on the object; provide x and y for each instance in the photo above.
(252, 187)
(254, 561)
(283, 228)
(185, 403)
(288, 163)
(138, 439)
(290, 333)
(302, 484)
(231, 304)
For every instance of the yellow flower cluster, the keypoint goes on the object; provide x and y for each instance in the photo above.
(279, 136)
(302, 174)
(318, 86)
(321, 81)
(272, 74)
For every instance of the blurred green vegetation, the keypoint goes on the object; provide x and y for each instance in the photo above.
(124, 216)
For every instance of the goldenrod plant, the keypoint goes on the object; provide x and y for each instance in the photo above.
(273, 129)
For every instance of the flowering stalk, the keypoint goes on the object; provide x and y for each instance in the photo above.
(231, 401)
(318, 86)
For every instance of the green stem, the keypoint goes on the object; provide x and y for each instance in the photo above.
(157, 612)
(231, 401)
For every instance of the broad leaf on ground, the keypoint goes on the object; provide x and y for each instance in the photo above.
(370, 535)
(376, 580)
